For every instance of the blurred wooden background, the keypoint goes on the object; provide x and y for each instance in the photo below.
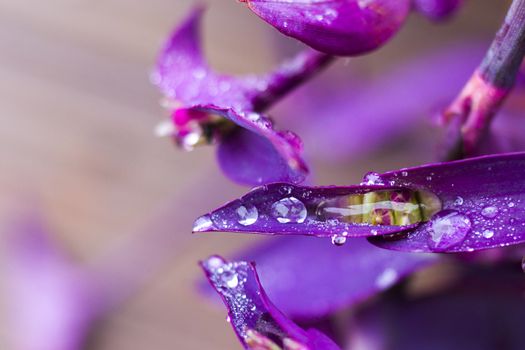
(77, 113)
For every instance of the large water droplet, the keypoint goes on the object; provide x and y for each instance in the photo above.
(202, 224)
(289, 210)
(248, 215)
(372, 178)
(489, 212)
(448, 229)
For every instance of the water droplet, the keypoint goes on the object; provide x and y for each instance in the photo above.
(289, 210)
(372, 178)
(386, 278)
(248, 215)
(488, 233)
(448, 229)
(458, 201)
(213, 263)
(202, 224)
(404, 173)
(338, 240)
(511, 205)
(429, 178)
(228, 319)
(229, 279)
(489, 212)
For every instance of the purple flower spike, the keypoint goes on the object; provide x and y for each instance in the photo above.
(337, 27)
(447, 207)
(437, 9)
(299, 270)
(207, 107)
(259, 325)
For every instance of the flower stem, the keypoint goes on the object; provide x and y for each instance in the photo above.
(489, 86)
(291, 74)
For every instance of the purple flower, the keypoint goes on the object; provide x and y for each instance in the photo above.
(259, 325)
(207, 107)
(446, 207)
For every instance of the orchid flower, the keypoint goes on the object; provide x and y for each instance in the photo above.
(458, 206)
(345, 27)
(207, 107)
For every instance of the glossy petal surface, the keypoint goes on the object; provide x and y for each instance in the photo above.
(256, 321)
(437, 9)
(308, 277)
(483, 200)
(283, 208)
(338, 27)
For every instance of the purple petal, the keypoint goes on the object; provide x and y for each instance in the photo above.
(437, 9)
(50, 306)
(282, 208)
(483, 204)
(256, 321)
(488, 315)
(306, 277)
(338, 27)
(198, 95)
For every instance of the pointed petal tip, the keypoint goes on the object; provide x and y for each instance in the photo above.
(203, 224)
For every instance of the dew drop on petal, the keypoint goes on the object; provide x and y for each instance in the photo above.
(488, 233)
(247, 215)
(289, 210)
(511, 205)
(489, 212)
(458, 201)
(448, 228)
(372, 178)
(338, 240)
(229, 279)
(202, 224)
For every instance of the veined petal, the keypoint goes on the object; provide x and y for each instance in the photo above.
(483, 201)
(337, 27)
(259, 325)
(303, 275)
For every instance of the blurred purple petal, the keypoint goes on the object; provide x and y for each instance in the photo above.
(283, 208)
(482, 200)
(337, 27)
(481, 314)
(256, 321)
(305, 277)
(437, 9)
(51, 307)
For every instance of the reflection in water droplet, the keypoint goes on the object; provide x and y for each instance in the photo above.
(202, 224)
(488, 233)
(399, 207)
(289, 210)
(248, 215)
(448, 229)
(489, 212)
(338, 240)
(372, 178)
(458, 200)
